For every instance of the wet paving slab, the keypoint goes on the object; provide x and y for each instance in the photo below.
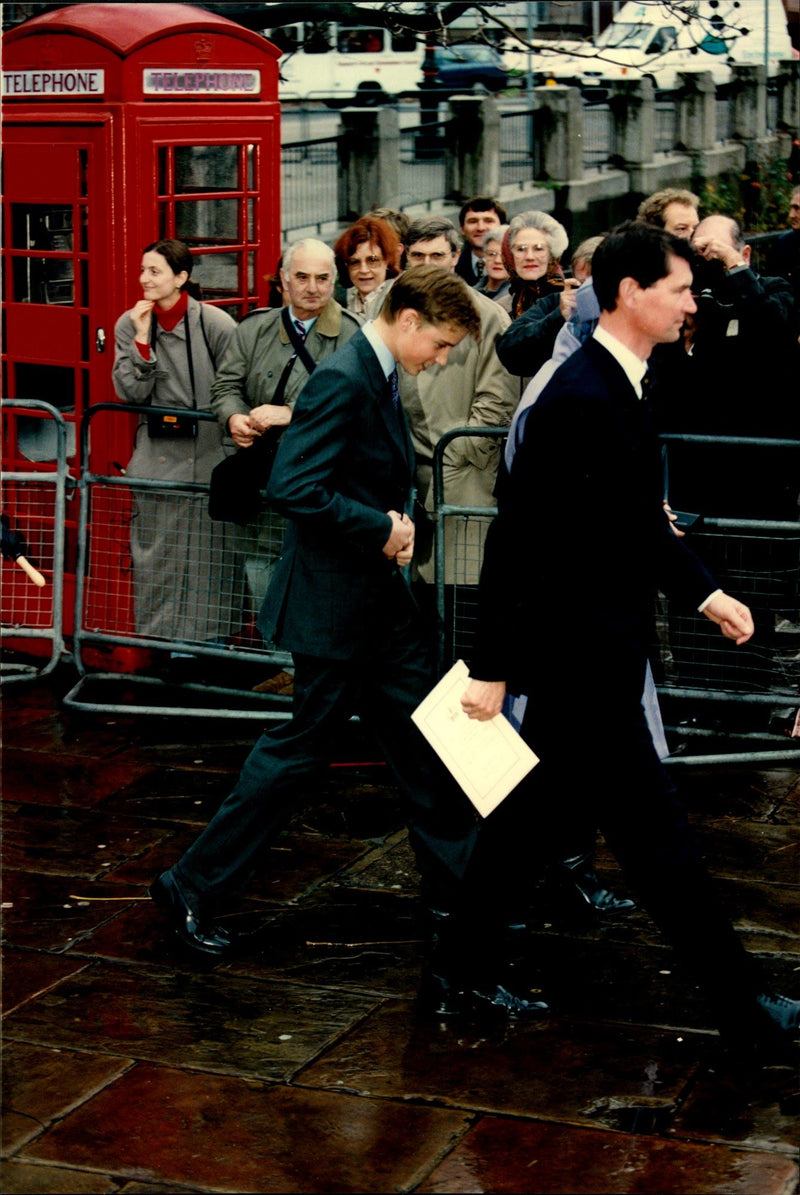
(213, 1022)
(303, 1063)
(74, 842)
(54, 912)
(507, 1157)
(28, 973)
(219, 1133)
(42, 1085)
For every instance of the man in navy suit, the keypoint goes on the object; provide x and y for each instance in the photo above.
(340, 603)
(572, 564)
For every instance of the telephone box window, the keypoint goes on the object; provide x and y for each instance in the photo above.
(207, 221)
(40, 227)
(43, 280)
(206, 168)
(218, 275)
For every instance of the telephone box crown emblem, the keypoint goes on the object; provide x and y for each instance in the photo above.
(202, 49)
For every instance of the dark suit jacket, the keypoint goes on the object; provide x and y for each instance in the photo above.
(344, 461)
(464, 266)
(581, 542)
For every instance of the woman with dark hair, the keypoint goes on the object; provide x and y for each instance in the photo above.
(532, 251)
(367, 254)
(168, 347)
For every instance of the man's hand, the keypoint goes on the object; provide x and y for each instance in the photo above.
(483, 699)
(400, 544)
(733, 618)
(566, 301)
(673, 518)
(715, 249)
(240, 430)
(269, 415)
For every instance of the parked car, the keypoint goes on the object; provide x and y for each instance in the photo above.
(468, 67)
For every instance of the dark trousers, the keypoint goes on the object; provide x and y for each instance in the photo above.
(383, 685)
(598, 764)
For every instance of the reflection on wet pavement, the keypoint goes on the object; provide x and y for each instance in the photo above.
(302, 1064)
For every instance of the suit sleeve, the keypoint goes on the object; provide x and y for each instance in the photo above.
(315, 475)
(530, 340)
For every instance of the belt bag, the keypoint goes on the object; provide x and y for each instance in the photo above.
(171, 427)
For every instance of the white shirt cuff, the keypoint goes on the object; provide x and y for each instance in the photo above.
(710, 598)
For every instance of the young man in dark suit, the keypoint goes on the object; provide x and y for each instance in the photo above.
(572, 564)
(340, 603)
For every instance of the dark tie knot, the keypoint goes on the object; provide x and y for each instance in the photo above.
(301, 329)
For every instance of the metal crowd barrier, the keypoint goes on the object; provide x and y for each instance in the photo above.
(730, 696)
(34, 518)
(164, 605)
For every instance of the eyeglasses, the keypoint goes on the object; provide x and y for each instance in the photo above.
(419, 258)
(354, 262)
(540, 249)
(490, 253)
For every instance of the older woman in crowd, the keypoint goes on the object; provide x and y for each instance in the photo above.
(532, 251)
(531, 339)
(367, 254)
(496, 280)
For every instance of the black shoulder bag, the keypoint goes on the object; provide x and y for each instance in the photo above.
(236, 484)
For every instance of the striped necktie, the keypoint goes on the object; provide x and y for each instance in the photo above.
(394, 383)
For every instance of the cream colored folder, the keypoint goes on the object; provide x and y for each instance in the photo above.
(488, 759)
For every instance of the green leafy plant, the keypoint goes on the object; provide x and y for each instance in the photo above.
(758, 197)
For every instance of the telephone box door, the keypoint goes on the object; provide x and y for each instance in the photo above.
(56, 252)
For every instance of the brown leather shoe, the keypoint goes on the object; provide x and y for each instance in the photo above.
(282, 685)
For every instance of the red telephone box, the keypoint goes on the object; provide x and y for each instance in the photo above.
(122, 124)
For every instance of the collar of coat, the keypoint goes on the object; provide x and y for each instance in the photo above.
(328, 322)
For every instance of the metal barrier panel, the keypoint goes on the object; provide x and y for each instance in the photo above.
(598, 135)
(310, 184)
(423, 161)
(170, 597)
(752, 690)
(517, 147)
(34, 515)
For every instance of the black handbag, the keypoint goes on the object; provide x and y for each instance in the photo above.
(236, 485)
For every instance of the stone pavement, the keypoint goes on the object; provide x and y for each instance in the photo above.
(303, 1065)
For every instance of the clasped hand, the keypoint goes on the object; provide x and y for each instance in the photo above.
(400, 544)
(244, 429)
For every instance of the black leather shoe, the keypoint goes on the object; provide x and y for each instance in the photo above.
(202, 937)
(579, 872)
(766, 1031)
(497, 997)
(441, 990)
(783, 1013)
(438, 996)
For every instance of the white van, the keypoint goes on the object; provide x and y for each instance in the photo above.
(341, 63)
(649, 39)
(328, 60)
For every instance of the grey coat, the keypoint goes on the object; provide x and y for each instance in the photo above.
(188, 586)
(259, 352)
